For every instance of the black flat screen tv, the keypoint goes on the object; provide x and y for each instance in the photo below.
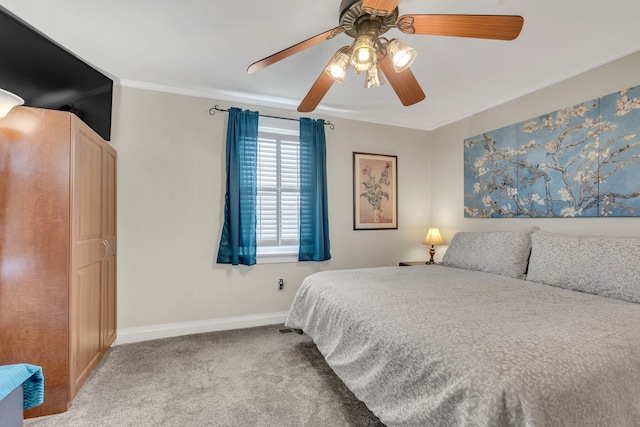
(46, 75)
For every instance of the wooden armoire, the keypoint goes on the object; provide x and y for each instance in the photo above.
(57, 249)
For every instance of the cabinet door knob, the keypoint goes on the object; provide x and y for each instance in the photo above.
(105, 245)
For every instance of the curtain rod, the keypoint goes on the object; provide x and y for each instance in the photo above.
(217, 108)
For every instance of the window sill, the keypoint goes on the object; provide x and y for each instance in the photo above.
(275, 255)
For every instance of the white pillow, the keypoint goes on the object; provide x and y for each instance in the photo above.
(608, 266)
(499, 252)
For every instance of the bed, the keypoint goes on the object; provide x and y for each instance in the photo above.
(475, 342)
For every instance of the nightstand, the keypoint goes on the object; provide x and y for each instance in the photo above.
(413, 263)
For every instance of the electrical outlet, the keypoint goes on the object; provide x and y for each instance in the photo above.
(280, 284)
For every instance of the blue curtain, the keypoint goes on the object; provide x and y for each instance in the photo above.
(238, 240)
(314, 218)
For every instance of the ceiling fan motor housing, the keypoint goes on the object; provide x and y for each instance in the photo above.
(355, 17)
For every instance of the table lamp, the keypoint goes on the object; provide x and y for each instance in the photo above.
(433, 238)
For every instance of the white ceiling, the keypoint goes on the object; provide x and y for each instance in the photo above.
(203, 47)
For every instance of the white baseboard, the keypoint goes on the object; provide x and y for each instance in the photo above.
(145, 333)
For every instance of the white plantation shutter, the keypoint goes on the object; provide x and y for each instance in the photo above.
(267, 197)
(278, 195)
(289, 192)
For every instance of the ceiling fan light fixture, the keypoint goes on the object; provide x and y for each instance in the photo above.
(402, 55)
(366, 21)
(363, 52)
(337, 68)
(374, 78)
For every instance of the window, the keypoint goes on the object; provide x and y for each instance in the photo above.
(292, 179)
(278, 196)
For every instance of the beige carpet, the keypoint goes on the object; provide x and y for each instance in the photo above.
(248, 377)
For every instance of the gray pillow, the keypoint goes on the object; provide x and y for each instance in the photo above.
(608, 266)
(499, 252)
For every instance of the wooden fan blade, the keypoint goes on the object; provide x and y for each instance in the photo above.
(316, 93)
(272, 59)
(404, 84)
(497, 27)
(380, 7)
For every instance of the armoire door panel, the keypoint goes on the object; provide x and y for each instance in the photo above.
(109, 189)
(86, 317)
(109, 296)
(89, 172)
(89, 251)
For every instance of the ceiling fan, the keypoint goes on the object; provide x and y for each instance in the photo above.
(366, 21)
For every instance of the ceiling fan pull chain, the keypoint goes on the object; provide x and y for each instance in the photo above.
(405, 24)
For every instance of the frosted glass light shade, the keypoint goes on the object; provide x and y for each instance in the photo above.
(8, 100)
(402, 55)
(363, 53)
(337, 68)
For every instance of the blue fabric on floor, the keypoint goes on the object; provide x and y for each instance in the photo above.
(30, 376)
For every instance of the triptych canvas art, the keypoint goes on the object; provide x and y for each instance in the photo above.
(580, 161)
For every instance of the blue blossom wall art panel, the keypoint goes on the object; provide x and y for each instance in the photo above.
(558, 163)
(620, 154)
(490, 174)
(580, 161)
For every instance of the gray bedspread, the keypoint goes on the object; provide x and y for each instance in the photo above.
(440, 346)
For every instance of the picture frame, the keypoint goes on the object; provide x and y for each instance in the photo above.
(375, 191)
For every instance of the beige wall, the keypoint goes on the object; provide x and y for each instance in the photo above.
(170, 209)
(447, 153)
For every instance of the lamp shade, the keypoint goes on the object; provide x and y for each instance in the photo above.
(337, 67)
(401, 55)
(363, 52)
(7, 101)
(433, 237)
